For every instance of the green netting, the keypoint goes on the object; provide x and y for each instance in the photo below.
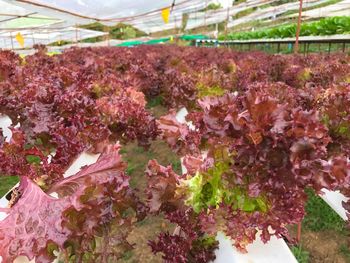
(160, 40)
(157, 41)
(130, 43)
(193, 37)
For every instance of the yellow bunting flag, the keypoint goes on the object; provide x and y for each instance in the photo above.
(166, 14)
(20, 39)
(171, 38)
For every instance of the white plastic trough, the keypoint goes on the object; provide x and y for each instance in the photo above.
(334, 199)
(275, 251)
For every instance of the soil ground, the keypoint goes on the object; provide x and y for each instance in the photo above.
(323, 246)
(149, 228)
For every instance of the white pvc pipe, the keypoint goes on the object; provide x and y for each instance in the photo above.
(334, 199)
(5, 123)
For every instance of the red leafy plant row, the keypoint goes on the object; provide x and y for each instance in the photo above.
(272, 126)
(262, 155)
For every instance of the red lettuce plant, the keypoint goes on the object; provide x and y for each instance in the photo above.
(90, 219)
(188, 243)
(262, 154)
(271, 125)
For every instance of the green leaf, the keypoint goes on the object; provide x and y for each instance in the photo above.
(51, 247)
(261, 204)
(207, 193)
(28, 146)
(33, 159)
(248, 205)
(38, 141)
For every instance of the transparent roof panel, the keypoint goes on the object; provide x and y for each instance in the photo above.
(56, 15)
(92, 9)
(31, 21)
(45, 36)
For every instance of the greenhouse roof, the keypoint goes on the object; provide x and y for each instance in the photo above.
(108, 12)
(32, 21)
(33, 27)
(37, 17)
(44, 36)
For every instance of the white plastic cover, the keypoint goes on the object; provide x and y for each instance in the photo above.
(146, 15)
(197, 18)
(45, 36)
(273, 11)
(108, 12)
(220, 15)
(111, 9)
(341, 8)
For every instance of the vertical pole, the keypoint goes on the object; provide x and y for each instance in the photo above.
(227, 18)
(299, 232)
(76, 34)
(343, 47)
(11, 40)
(205, 14)
(107, 37)
(48, 37)
(296, 47)
(329, 47)
(278, 47)
(33, 39)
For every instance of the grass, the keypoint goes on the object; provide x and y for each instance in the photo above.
(153, 102)
(176, 165)
(345, 251)
(6, 183)
(300, 254)
(137, 159)
(321, 217)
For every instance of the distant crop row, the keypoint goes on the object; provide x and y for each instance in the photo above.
(323, 27)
